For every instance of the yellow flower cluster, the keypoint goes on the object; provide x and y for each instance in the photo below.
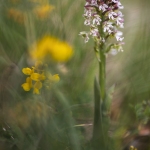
(36, 77)
(51, 48)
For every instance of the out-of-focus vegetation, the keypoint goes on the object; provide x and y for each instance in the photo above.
(61, 116)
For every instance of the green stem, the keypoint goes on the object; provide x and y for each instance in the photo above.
(97, 124)
(102, 74)
(99, 131)
(102, 63)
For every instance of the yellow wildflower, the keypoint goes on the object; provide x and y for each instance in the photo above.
(43, 11)
(50, 47)
(36, 76)
(53, 78)
(27, 71)
(28, 85)
(16, 14)
(37, 86)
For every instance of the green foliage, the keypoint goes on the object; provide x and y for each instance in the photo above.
(142, 111)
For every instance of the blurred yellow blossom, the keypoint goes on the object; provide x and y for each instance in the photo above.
(43, 11)
(36, 76)
(51, 48)
(53, 78)
(40, 9)
(37, 86)
(16, 14)
(27, 71)
(28, 84)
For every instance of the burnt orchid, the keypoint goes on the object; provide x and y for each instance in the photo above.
(104, 19)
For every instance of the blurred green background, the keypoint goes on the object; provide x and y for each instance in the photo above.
(61, 118)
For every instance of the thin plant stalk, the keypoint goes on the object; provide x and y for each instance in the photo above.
(102, 73)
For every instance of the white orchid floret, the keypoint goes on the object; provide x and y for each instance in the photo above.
(116, 48)
(87, 22)
(119, 22)
(115, 1)
(86, 39)
(108, 27)
(91, 3)
(85, 35)
(119, 14)
(94, 2)
(94, 32)
(103, 7)
(87, 13)
(118, 35)
(113, 51)
(88, 16)
(119, 19)
(112, 15)
(87, 3)
(120, 5)
(96, 19)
